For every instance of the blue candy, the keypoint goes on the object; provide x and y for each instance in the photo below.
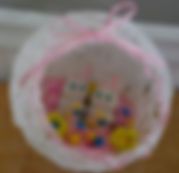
(99, 142)
(125, 111)
(81, 125)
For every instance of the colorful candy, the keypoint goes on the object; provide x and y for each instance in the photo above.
(99, 142)
(84, 123)
(58, 122)
(91, 88)
(124, 112)
(122, 139)
(102, 119)
(74, 139)
(91, 123)
(89, 136)
(102, 122)
(51, 101)
(53, 88)
(54, 85)
(78, 110)
(81, 125)
(76, 106)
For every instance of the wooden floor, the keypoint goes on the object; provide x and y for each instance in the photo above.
(16, 156)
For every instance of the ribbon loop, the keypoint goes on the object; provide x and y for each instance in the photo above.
(125, 9)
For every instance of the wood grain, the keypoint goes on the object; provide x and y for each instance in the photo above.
(16, 156)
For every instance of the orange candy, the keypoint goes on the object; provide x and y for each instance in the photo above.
(89, 136)
(74, 138)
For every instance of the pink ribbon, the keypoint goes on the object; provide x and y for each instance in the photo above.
(127, 10)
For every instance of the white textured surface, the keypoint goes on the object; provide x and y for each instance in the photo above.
(32, 125)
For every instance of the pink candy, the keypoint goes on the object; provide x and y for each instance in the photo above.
(51, 101)
(53, 84)
(121, 119)
(52, 91)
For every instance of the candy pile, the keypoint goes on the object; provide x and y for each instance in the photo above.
(84, 115)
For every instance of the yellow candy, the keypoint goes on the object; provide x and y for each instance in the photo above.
(92, 88)
(59, 122)
(76, 105)
(100, 114)
(75, 139)
(123, 139)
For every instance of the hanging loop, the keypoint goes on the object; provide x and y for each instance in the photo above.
(125, 9)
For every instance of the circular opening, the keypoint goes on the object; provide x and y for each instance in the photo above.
(99, 98)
